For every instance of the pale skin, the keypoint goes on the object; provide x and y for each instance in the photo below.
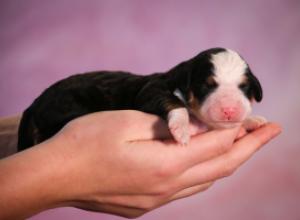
(121, 162)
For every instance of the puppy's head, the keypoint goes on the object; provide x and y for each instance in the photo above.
(222, 88)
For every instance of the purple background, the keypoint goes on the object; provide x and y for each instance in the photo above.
(44, 41)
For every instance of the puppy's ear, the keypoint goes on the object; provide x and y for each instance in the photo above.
(181, 76)
(255, 86)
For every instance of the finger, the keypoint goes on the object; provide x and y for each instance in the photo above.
(144, 126)
(206, 146)
(196, 126)
(242, 133)
(226, 164)
(186, 193)
(125, 124)
(201, 148)
(144, 202)
(127, 212)
(191, 191)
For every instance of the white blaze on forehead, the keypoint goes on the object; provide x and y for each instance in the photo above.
(229, 67)
(229, 70)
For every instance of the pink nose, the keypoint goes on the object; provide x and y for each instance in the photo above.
(229, 113)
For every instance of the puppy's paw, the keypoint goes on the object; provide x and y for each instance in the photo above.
(178, 122)
(254, 122)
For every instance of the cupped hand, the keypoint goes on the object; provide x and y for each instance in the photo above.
(126, 162)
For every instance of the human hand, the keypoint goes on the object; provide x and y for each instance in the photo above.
(137, 172)
(126, 163)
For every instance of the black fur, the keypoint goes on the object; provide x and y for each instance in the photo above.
(97, 91)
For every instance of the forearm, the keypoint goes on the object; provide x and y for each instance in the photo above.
(8, 135)
(30, 182)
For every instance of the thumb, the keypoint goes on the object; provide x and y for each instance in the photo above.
(144, 126)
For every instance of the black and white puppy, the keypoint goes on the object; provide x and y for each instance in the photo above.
(217, 86)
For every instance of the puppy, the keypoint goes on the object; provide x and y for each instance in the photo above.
(216, 86)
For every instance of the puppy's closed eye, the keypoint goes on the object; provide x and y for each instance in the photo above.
(210, 83)
(206, 85)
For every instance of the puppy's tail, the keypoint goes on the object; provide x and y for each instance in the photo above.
(26, 131)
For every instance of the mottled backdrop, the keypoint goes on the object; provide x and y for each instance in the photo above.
(44, 41)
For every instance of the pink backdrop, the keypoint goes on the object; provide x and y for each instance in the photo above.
(43, 41)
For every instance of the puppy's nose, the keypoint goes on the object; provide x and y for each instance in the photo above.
(229, 113)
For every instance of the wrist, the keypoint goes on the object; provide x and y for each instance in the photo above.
(31, 181)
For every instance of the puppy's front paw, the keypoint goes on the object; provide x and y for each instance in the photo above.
(254, 122)
(178, 122)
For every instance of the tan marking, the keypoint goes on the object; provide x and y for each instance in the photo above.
(193, 104)
(211, 81)
(244, 80)
(169, 106)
